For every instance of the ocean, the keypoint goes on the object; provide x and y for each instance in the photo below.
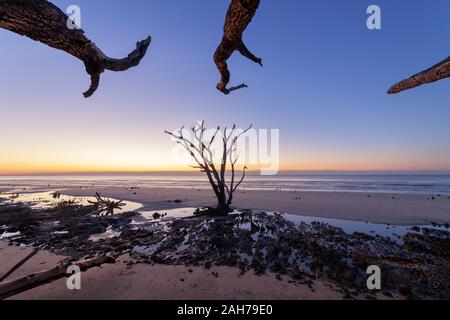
(349, 182)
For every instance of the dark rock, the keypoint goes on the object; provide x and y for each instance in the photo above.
(404, 290)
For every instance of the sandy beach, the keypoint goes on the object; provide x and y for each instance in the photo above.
(127, 279)
(158, 282)
(121, 281)
(401, 209)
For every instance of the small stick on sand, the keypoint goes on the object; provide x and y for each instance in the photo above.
(19, 264)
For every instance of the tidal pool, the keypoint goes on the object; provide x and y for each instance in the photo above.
(394, 232)
(48, 199)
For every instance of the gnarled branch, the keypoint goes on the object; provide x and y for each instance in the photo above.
(433, 74)
(239, 15)
(42, 21)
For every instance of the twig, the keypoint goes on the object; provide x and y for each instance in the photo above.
(19, 264)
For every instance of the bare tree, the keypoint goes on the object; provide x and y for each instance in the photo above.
(42, 21)
(239, 15)
(433, 74)
(200, 147)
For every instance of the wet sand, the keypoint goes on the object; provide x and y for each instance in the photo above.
(10, 255)
(4, 189)
(400, 209)
(144, 281)
(159, 282)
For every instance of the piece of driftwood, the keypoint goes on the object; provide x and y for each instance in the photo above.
(15, 287)
(19, 264)
(42, 21)
(106, 206)
(438, 72)
(239, 15)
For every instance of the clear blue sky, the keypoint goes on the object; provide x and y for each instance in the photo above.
(323, 85)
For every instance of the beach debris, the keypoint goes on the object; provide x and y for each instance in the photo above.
(252, 241)
(157, 215)
(56, 195)
(66, 203)
(19, 264)
(176, 201)
(106, 206)
(34, 280)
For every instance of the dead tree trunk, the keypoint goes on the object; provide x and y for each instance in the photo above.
(239, 16)
(200, 148)
(433, 74)
(12, 288)
(42, 21)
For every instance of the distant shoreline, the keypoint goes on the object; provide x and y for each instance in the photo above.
(251, 172)
(431, 184)
(367, 206)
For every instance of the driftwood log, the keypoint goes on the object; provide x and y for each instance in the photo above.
(12, 288)
(239, 15)
(433, 74)
(42, 21)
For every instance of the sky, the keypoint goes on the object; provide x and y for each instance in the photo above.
(323, 86)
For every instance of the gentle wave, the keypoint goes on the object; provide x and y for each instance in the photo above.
(388, 183)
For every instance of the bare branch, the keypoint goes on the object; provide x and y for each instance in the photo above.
(42, 21)
(244, 171)
(438, 72)
(239, 16)
(213, 137)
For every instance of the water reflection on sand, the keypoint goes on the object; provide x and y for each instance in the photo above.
(48, 199)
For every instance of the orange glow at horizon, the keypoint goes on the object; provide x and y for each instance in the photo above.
(42, 168)
(106, 151)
